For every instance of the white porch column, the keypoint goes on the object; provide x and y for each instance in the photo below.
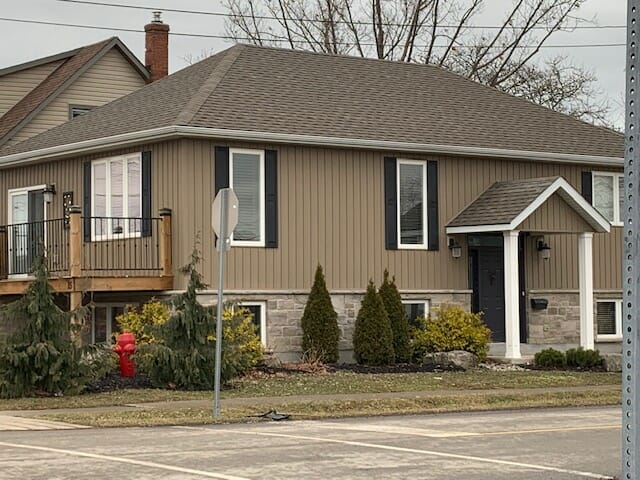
(585, 274)
(511, 295)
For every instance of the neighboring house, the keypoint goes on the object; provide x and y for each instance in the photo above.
(41, 94)
(467, 195)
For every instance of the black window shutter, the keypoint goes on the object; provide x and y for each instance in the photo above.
(221, 168)
(271, 198)
(432, 206)
(86, 203)
(587, 187)
(390, 203)
(146, 194)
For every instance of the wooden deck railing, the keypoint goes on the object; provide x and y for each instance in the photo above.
(87, 247)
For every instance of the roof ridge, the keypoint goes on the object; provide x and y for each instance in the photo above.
(438, 68)
(16, 117)
(209, 85)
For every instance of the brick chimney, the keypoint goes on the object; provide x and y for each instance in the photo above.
(156, 57)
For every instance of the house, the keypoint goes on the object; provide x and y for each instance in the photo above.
(40, 94)
(467, 195)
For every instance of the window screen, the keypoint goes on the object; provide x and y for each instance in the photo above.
(606, 318)
(246, 183)
(411, 193)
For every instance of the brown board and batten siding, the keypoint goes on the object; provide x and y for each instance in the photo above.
(331, 210)
(111, 77)
(14, 86)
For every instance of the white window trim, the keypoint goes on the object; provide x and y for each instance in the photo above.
(425, 302)
(125, 197)
(617, 222)
(425, 238)
(618, 335)
(261, 183)
(263, 318)
(18, 191)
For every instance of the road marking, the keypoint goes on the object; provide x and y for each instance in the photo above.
(417, 432)
(410, 450)
(129, 461)
(11, 423)
(420, 432)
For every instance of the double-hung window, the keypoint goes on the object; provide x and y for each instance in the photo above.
(412, 201)
(609, 320)
(246, 178)
(608, 195)
(116, 191)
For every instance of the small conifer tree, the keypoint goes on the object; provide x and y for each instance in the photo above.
(320, 331)
(399, 324)
(372, 337)
(185, 354)
(41, 355)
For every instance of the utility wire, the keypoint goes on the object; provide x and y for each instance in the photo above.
(315, 20)
(285, 40)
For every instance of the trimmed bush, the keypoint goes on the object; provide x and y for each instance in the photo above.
(584, 359)
(138, 320)
(241, 348)
(550, 358)
(372, 337)
(320, 331)
(452, 328)
(184, 355)
(41, 356)
(397, 318)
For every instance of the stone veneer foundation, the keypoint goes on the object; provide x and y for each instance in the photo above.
(284, 312)
(559, 324)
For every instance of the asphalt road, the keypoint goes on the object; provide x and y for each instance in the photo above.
(531, 444)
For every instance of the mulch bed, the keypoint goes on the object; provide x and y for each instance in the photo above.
(113, 381)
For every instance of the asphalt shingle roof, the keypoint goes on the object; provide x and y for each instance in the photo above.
(502, 202)
(262, 89)
(48, 86)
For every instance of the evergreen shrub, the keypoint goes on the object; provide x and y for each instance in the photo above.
(584, 359)
(138, 320)
(373, 337)
(550, 358)
(397, 318)
(184, 353)
(320, 331)
(451, 328)
(41, 356)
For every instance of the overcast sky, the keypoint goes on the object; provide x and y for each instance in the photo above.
(22, 42)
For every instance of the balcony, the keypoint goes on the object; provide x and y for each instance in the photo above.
(89, 254)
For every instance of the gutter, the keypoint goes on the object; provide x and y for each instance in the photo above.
(174, 131)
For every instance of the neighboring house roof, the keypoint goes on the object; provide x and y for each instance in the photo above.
(505, 205)
(76, 62)
(261, 93)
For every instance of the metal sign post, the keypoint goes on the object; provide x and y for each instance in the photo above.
(631, 260)
(224, 218)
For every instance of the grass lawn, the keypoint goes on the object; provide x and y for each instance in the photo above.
(341, 409)
(338, 382)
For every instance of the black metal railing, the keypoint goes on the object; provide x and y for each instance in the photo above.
(21, 244)
(125, 246)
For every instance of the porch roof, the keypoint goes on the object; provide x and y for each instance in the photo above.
(506, 205)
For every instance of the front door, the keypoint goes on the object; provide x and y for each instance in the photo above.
(26, 232)
(486, 255)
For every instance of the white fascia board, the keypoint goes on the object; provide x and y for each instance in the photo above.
(479, 229)
(569, 194)
(241, 135)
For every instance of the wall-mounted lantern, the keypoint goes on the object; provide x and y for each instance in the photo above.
(455, 248)
(49, 191)
(544, 250)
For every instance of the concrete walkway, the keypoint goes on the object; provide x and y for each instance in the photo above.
(263, 403)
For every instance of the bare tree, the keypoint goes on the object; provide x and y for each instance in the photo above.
(439, 32)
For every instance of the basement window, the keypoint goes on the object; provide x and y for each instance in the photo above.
(415, 309)
(609, 320)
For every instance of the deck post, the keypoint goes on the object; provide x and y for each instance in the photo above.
(75, 241)
(165, 242)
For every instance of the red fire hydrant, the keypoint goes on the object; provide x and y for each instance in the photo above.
(125, 348)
